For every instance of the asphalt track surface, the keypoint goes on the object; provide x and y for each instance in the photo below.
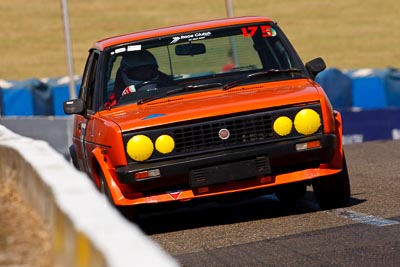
(264, 232)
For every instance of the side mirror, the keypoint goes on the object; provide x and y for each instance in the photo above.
(315, 66)
(74, 106)
(190, 49)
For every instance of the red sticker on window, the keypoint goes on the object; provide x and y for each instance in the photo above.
(266, 31)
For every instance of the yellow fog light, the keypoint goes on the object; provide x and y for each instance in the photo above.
(140, 147)
(307, 121)
(283, 125)
(165, 144)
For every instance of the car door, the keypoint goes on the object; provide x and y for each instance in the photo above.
(81, 121)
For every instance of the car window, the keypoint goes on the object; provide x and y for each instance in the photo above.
(201, 57)
(89, 79)
(220, 52)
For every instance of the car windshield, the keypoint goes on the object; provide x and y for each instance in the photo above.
(199, 60)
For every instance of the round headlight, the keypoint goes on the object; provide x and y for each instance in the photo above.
(165, 144)
(307, 121)
(140, 147)
(283, 125)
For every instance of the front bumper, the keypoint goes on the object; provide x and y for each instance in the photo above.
(231, 165)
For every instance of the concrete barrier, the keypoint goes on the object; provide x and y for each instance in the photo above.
(84, 231)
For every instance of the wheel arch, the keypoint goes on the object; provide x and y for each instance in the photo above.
(101, 165)
(337, 159)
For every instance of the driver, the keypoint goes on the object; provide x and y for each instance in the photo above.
(137, 69)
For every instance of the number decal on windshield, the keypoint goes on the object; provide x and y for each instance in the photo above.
(266, 31)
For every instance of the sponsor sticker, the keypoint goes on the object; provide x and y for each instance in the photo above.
(190, 37)
(118, 50)
(134, 48)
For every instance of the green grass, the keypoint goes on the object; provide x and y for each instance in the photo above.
(346, 33)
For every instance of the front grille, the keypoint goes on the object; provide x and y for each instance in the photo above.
(242, 130)
(202, 136)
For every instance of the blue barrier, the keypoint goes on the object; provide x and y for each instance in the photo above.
(362, 88)
(369, 100)
(375, 88)
(338, 87)
(1, 102)
(392, 84)
(369, 93)
(61, 94)
(42, 98)
(17, 102)
(33, 97)
(369, 125)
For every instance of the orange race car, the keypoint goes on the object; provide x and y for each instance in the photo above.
(206, 109)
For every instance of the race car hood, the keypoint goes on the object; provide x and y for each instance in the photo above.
(197, 105)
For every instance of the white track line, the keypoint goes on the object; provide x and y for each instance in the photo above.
(363, 218)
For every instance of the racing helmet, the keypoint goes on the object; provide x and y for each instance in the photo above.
(138, 66)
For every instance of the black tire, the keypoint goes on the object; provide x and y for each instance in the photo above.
(129, 212)
(104, 190)
(333, 191)
(290, 193)
(73, 156)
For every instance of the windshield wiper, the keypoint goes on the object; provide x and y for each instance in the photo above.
(257, 75)
(179, 90)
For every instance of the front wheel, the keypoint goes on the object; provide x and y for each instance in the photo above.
(333, 191)
(290, 193)
(129, 212)
(104, 190)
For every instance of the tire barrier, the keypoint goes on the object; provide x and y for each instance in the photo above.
(360, 88)
(84, 231)
(369, 101)
(34, 97)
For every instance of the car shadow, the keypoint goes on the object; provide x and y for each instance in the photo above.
(170, 218)
(356, 200)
